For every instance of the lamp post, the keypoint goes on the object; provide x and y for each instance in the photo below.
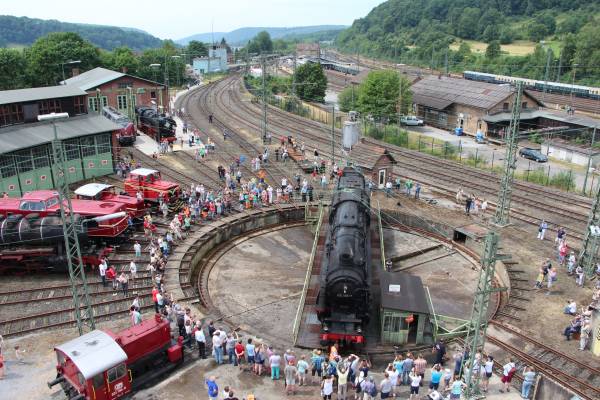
(62, 66)
(98, 100)
(156, 67)
(178, 69)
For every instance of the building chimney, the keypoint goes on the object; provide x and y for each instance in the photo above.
(124, 69)
(74, 71)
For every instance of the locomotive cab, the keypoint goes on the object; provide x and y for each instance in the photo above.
(92, 366)
(104, 192)
(101, 365)
(151, 184)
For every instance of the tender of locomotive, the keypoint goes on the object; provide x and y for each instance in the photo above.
(101, 365)
(151, 185)
(104, 192)
(157, 126)
(343, 300)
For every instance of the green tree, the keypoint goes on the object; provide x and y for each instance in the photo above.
(537, 31)
(311, 82)
(491, 33)
(379, 95)
(588, 49)
(548, 21)
(467, 24)
(13, 66)
(347, 99)
(121, 59)
(196, 48)
(261, 43)
(493, 50)
(568, 49)
(48, 53)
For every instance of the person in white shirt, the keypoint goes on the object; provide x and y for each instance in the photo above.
(217, 347)
(102, 268)
(133, 270)
(200, 341)
(571, 307)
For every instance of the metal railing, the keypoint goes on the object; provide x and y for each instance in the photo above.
(309, 268)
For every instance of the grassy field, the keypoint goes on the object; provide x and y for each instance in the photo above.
(517, 48)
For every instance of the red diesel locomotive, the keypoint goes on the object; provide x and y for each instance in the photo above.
(151, 185)
(101, 365)
(103, 192)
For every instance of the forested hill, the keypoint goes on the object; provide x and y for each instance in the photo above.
(23, 31)
(408, 22)
(433, 31)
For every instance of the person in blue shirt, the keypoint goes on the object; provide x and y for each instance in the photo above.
(436, 377)
(213, 388)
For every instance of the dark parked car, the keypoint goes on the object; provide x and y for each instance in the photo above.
(533, 154)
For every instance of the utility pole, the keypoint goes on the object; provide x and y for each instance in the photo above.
(399, 99)
(559, 68)
(501, 218)
(332, 135)
(84, 313)
(446, 62)
(587, 171)
(264, 97)
(294, 77)
(476, 332)
(546, 75)
(588, 256)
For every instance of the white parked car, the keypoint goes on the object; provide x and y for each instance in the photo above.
(411, 120)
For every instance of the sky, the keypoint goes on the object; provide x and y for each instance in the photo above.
(184, 18)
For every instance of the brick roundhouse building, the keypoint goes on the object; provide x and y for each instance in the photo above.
(119, 90)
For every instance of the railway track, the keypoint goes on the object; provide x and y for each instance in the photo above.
(581, 378)
(571, 207)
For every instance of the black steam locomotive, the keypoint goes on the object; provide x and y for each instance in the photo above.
(343, 299)
(157, 126)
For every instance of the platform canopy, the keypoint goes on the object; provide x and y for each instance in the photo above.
(93, 353)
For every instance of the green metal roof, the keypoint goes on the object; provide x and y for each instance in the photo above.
(17, 137)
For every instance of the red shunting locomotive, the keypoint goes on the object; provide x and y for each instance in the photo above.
(101, 365)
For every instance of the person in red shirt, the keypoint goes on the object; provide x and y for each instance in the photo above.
(111, 275)
(239, 353)
(154, 299)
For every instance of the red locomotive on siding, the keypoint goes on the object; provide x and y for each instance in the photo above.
(151, 185)
(44, 203)
(127, 134)
(103, 192)
(101, 365)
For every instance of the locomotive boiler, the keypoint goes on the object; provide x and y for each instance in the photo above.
(155, 125)
(343, 300)
(31, 234)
